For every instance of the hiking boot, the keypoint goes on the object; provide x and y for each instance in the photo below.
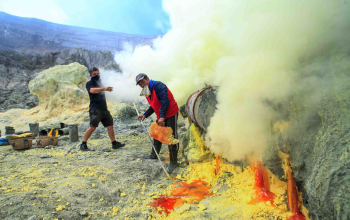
(173, 161)
(117, 145)
(83, 147)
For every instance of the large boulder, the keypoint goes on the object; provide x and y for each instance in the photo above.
(60, 87)
(17, 69)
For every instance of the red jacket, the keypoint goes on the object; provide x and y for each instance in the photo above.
(162, 102)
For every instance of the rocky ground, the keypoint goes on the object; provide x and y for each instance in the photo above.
(61, 182)
(41, 182)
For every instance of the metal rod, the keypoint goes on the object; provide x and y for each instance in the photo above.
(151, 142)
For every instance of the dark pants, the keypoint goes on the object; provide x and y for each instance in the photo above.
(169, 122)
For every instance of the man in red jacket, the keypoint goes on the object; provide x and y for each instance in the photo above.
(162, 103)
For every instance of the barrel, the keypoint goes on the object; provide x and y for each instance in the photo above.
(73, 133)
(63, 131)
(34, 128)
(201, 106)
(9, 130)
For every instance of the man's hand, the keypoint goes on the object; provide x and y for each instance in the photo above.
(161, 122)
(108, 88)
(141, 117)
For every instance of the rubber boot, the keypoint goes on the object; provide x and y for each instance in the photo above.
(173, 161)
(153, 154)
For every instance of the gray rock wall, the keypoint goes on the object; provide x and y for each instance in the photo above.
(318, 139)
(17, 69)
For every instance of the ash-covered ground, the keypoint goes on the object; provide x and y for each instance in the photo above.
(61, 182)
(65, 183)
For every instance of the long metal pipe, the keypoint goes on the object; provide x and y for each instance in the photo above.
(63, 131)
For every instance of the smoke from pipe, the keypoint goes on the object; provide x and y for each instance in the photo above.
(255, 51)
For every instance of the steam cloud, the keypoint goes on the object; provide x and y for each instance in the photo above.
(253, 50)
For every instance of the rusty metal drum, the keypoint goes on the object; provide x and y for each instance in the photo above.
(201, 106)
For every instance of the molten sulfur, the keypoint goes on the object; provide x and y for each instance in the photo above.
(261, 184)
(292, 195)
(217, 168)
(182, 192)
(162, 134)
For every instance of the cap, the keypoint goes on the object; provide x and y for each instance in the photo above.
(139, 77)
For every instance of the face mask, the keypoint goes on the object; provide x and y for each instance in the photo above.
(145, 91)
(96, 78)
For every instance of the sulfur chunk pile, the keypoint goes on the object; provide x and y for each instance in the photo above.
(162, 134)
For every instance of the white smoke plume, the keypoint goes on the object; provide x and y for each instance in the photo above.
(252, 50)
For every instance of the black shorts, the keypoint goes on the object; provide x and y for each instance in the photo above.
(97, 116)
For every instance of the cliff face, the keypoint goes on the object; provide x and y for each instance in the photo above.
(17, 69)
(316, 136)
(31, 35)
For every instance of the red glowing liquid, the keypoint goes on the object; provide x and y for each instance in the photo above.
(292, 195)
(261, 184)
(298, 216)
(216, 170)
(196, 190)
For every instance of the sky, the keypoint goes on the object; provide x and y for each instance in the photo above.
(145, 17)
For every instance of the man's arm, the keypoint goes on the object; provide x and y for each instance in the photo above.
(101, 89)
(149, 112)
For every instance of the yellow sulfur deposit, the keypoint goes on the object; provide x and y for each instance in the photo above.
(162, 134)
(60, 208)
(197, 151)
(232, 203)
(13, 137)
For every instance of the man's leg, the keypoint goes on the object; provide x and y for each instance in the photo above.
(88, 132)
(173, 149)
(111, 133)
(95, 119)
(157, 145)
(107, 121)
